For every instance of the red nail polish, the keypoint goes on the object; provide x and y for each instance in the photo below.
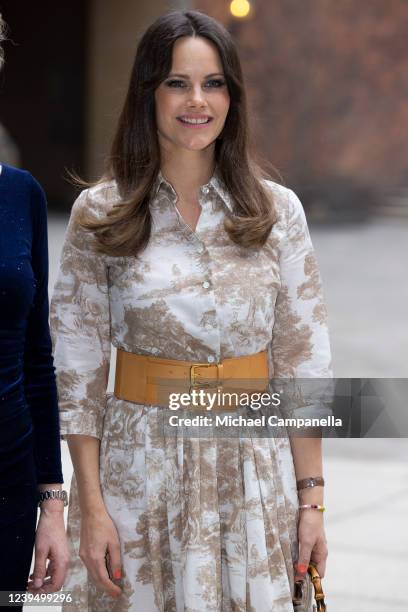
(302, 569)
(117, 574)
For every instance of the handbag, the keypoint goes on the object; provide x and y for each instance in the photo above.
(308, 594)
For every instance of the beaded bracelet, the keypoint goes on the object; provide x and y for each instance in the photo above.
(312, 506)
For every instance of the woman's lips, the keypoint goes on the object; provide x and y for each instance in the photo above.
(195, 125)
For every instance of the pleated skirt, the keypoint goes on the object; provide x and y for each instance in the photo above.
(206, 524)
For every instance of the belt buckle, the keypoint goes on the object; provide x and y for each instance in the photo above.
(218, 382)
(193, 382)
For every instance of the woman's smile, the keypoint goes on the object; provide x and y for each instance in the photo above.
(195, 121)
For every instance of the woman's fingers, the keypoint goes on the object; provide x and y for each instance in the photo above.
(57, 570)
(319, 556)
(50, 569)
(39, 571)
(99, 537)
(103, 580)
(95, 564)
(312, 545)
(114, 561)
(53, 578)
(316, 554)
(305, 551)
(321, 568)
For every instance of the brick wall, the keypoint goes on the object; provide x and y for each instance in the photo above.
(328, 86)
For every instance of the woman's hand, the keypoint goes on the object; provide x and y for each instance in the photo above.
(312, 543)
(50, 543)
(99, 537)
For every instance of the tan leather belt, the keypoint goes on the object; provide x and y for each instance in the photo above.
(144, 379)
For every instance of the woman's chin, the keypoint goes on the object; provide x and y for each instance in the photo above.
(197, 144)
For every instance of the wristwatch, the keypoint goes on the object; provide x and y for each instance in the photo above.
(53, 494)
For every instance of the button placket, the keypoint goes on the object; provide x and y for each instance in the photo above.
(212, 329)
(204, 221)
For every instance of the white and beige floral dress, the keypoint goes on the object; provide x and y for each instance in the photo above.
(205, 524)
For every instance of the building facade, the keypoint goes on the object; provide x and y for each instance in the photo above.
(327, 85)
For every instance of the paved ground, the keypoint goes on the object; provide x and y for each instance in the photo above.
(366, 286)
(364, 272)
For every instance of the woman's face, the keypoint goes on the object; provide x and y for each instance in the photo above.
(195, 90)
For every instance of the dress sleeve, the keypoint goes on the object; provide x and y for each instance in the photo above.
(300, 347)
(39, 374)
(80, 328)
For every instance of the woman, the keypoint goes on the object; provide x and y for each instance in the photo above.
(30, 459)
(184, 254)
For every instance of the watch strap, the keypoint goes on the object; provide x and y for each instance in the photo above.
(53, 494)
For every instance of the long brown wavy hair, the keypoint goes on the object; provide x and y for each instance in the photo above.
(134, 161)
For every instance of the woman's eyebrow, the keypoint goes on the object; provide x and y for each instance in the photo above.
(186, 76)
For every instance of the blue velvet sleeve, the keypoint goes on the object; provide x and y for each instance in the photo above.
(39, 372)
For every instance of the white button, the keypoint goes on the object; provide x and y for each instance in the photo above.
(206, 284)
(205, 190)
(210, 359)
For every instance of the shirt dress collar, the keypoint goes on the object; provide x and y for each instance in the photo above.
(215, 183)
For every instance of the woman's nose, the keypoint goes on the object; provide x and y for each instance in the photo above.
(197, 96)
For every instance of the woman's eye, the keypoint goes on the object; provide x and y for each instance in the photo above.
(216, 82)
(181, 84)
(175, 83)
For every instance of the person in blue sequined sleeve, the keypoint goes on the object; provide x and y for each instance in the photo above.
(30, 452)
